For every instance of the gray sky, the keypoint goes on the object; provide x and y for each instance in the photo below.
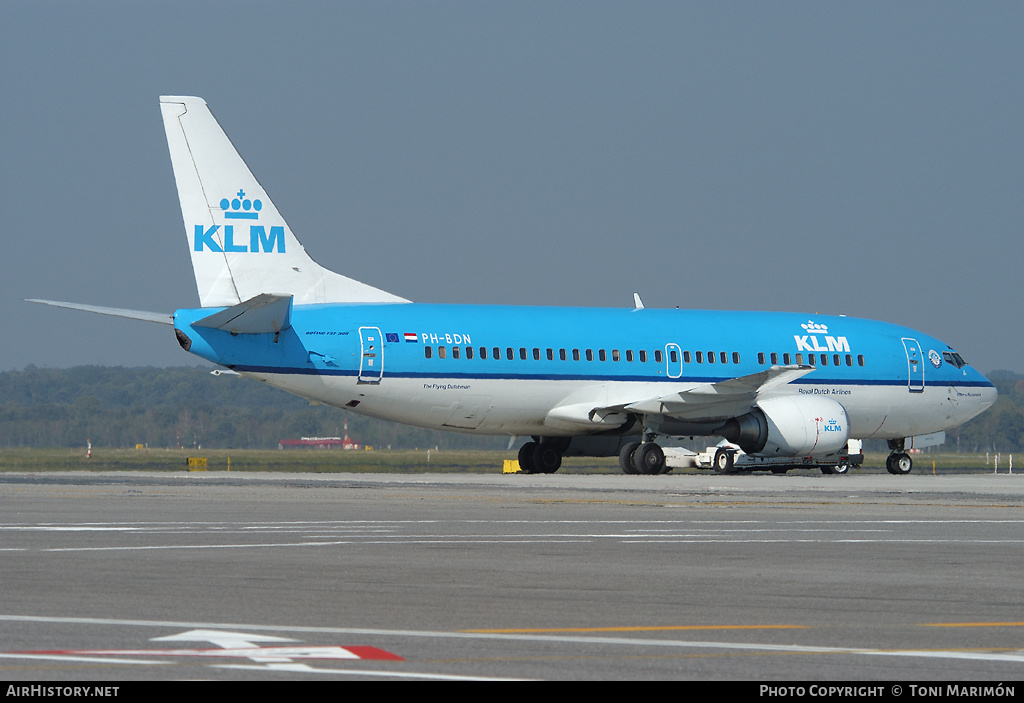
(856, 158)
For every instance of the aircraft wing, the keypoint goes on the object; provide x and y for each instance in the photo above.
(721, 400)
(161, 318)
(600, 406)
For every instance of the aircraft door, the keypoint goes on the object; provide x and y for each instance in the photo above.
(371, 362)
(673, 360)
(915, 369)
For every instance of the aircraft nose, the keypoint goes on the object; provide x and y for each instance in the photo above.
(989, 394)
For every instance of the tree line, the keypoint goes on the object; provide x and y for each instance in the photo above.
(189, 407)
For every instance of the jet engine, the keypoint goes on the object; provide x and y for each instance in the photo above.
(790, 426)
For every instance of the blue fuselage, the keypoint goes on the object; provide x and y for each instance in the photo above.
(419, 363)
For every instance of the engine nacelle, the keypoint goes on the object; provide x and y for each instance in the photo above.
(791, 426)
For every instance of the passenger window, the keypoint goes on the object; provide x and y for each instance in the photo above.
(561, 354)
(615, 354)
(428, 352)
(602, 355)
(455, 352)
(483, 352)
(711, 357)
(441, 352)
(686, 357)
(536, 354)
(522, 353)
(643, 356)
(551, 354)
(736, 358)
(760, 358)
(775, 358)
(629, 355)
(510, 353)
(723, 357)
(590, 355)
(860, 360)
(824, 359)
(799, 358)
(469, 352)
(700, 357)
(657, 356)
(575, 354)
(836, 360)
(785, 358)
(673, 356)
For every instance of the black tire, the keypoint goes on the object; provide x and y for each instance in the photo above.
(649, 459)
(902, 464)
(837, 469)
(547, 458)
(725, 461)
(626, 458)
(526, 458)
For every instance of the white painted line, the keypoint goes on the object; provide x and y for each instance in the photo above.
(77, 658)
(303, 668)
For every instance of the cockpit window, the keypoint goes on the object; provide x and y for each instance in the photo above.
(955, 359)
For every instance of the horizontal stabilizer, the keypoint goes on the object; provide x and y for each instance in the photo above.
(262, 314)
(162, 318)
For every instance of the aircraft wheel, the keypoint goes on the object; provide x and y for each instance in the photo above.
(649, 459)
(835, 469)
(526, 458)
(902, 464)
(626, 458)
(724, 461)
(546, 458)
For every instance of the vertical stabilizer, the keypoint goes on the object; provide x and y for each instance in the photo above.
(241, 246)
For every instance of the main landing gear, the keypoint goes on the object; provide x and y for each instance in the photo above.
(643, 458)
(898, 462)
(544, 457)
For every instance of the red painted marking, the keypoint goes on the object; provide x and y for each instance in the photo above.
(374, 653)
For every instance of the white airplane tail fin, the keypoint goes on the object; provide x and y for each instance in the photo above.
(241, 246)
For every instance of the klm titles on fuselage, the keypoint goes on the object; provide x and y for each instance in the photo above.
(809, 342)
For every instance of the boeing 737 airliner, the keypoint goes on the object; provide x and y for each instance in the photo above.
(579, 381)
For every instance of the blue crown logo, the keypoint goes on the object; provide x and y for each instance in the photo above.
(241, 208)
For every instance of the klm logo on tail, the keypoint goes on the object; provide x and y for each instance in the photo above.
(240, 208)
(243, 205)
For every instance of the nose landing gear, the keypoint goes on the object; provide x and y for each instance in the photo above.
(898, 462)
